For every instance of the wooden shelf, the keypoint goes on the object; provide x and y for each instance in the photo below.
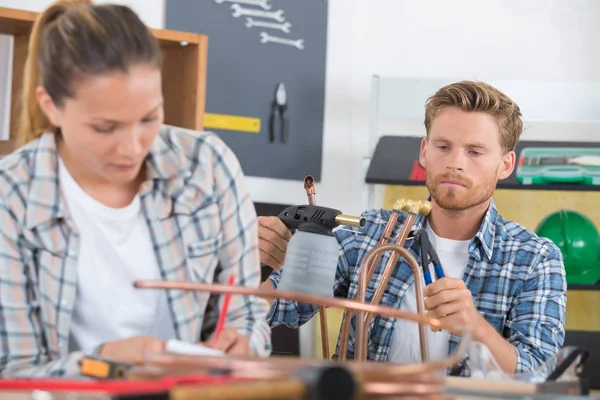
(183, 76)
(395, 157)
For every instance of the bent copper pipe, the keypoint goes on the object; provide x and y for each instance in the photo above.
(366, 368)
(347, 318)
(413, 208)
(363, 321)
(309, 186)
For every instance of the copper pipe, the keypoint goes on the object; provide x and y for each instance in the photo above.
(347, 318)
(289, 388)
(350, 220)
(365, 368)
(309, 186)
(293, 296)
(279, 367)
(324, 332)
(363, 321)
(413, 208)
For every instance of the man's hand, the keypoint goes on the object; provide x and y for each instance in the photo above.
(132, 350)
(449, 300)
(273, 238)
(232, 342)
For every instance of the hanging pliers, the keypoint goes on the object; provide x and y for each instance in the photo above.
(279, 111)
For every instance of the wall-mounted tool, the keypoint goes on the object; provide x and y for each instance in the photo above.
(285, 27)
(264, 4)
(239, 11)
(279, 113)
(297, 43)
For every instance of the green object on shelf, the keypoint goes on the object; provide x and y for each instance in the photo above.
(579, 241)
(559, 165)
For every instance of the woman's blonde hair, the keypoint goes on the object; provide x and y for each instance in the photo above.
(75, 38)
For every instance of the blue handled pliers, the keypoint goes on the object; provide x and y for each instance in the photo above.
(428, 255)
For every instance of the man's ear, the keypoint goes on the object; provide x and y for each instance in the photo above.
(47, 106)
(422, 153)
(507, 165)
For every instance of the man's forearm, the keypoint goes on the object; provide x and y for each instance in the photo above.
(267, 287)
(504, 352)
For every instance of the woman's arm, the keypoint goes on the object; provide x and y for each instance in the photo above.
(22, 349)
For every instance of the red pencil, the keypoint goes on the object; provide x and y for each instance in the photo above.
(224, 310)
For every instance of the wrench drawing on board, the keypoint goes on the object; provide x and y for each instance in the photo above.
(238, 11)
(285, 27)
(264, 4)
(266, 38)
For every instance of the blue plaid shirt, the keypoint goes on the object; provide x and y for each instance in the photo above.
(517, 280)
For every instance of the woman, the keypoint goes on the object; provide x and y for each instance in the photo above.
(102, 194)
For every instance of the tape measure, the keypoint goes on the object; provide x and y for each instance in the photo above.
(231, 123)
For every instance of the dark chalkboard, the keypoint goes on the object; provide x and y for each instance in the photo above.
(243, 75)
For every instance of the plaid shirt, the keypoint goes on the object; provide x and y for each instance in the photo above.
(203, 227)
(517, 280)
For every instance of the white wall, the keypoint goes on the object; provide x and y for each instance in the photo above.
(150, 11)
(491, 40)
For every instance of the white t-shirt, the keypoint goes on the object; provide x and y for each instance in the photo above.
(405, 347)
(116, 250)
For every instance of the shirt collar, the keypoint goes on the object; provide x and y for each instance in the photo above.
(483, 239)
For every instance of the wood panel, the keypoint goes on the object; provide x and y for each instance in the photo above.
(21, 42)
(184, 83)
(184, 72)
(580, 310)
(16, 22)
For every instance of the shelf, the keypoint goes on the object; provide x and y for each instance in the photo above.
(396, 157)
(584, 287)
(184, 72)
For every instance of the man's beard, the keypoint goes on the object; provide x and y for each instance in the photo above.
(461, 198)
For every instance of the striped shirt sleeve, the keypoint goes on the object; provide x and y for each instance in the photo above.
(22, 349)
(536, 324)
(239, 252)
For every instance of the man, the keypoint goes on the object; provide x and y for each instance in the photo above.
(502, 278)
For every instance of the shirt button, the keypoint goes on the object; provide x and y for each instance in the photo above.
(393, 298)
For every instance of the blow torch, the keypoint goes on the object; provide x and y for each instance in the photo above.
(312, 254)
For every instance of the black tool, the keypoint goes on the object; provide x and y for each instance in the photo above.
(313, 219)
(428, 255)
(279, 112)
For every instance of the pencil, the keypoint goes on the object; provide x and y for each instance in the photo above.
(224, 310)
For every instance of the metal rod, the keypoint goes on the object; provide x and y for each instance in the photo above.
(265, 389)
(368, 369)
(350, 220)
(348, 315)
(309, 186)
(413, 208)
(293, 296)
(363, 320)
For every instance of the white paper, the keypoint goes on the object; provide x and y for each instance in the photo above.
(179, 347)
(6, 62)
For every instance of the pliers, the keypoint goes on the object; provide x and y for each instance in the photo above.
(279, 109)
(428, 255)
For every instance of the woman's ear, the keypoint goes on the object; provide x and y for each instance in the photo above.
(47, 106)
